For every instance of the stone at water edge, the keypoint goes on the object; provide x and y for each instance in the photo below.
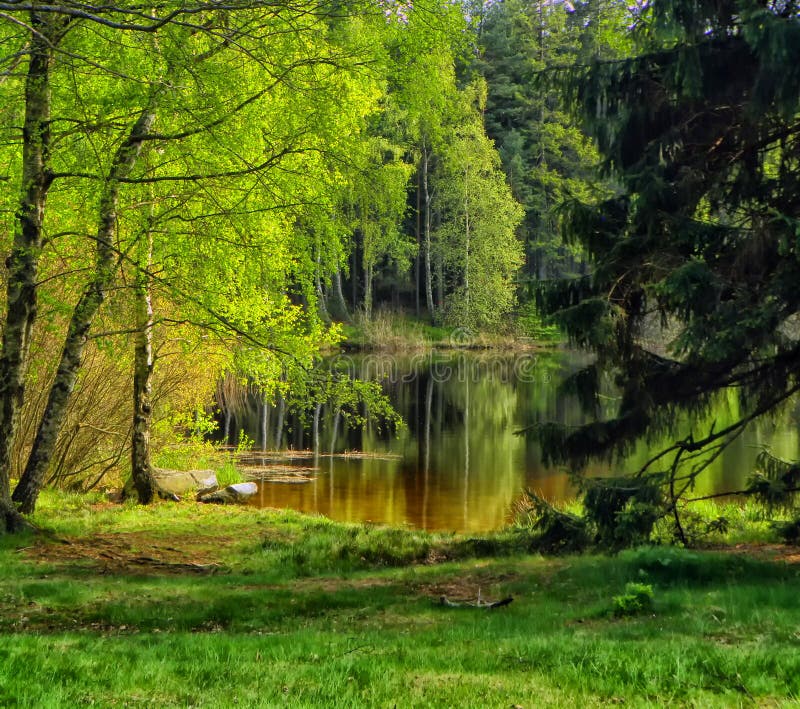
(179, 482)
(243, 489)
(171, 484)
(238, 492)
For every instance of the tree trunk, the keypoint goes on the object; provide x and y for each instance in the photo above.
(354, 277)
(439, 284)
(427, 249)
(418, 256)
(23, 261)
(321, 307)
(341, 303)
(466, 247)
(264, 424)
(27, 491)
(141, 469)
(335, 431)
(315, 429)
(368, 291)
(279, 425)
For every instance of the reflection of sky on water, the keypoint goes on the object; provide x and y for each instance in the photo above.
(459, 465)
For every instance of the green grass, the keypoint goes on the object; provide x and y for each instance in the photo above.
(395, 331)
(302, 611)
(228, 474)
(529, 322)
(743, 521)
(390, 330)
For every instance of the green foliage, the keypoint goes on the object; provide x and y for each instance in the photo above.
(711, 522)
(530, 324)
(245, 443)
(557, 531)
(776, 482)
(228, 474)
(182, 441)
(545, 155)
(623, 510)
(636, 600)
(788, 532)
(698, 242)
(476, 243)
(258, 115)
(352, 398)
(697, 527)
(719, 525)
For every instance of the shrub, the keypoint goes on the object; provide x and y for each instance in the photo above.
(637, 599)
(624, 510)
(556, 531)
(789, 532)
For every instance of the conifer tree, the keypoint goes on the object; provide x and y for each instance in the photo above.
(701, 130)
(545, 155)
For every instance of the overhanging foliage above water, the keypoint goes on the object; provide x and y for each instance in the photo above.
(700, 132)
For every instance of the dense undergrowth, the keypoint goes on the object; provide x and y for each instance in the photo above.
(389, 330)
(605, 519)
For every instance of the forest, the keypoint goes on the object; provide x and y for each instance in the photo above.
(487, 310)
(166, 231)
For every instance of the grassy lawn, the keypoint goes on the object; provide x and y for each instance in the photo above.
(184, 605)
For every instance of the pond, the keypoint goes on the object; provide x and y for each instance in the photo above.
(459, 464)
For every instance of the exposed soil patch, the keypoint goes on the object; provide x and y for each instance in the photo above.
(325, 585)
(763, 552)
(132, 552)
(467, 587)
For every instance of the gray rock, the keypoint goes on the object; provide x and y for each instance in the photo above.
(178, 482)
(243, 489)
(239, 492)
(171, 484)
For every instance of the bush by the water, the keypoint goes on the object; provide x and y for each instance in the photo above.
(556, 531)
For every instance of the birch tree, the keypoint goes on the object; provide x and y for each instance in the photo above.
(477, 240)
(96, 87)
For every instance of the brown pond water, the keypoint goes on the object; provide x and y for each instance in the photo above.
(458, 466)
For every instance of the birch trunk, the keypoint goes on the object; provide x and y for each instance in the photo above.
(279, 425)
(368, 291)
(264, 424)
(141, 469)
(335, 432)
(315, 429)
(354, 277)
(27, 491)
(321, 304)
(23, 261)
(341, 303)
(427, 249)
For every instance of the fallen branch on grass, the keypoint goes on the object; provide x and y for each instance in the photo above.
(484, 605)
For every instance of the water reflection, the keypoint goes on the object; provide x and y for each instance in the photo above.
(459, 465)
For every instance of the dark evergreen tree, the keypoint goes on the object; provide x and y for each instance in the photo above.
(545, 155)
(701, 131)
